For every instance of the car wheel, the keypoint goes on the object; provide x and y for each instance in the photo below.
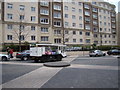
(104, 54)
(96, 55)
(25, 58)
(4, 58)
(90, 55)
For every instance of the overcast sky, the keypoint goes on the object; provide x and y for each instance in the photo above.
(115, 2)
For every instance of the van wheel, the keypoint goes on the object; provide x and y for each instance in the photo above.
(25, 58)
(59, 58)
(96, 55)
(4, 58)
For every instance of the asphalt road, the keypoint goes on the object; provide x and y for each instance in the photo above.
(87, 77)
(84, 72)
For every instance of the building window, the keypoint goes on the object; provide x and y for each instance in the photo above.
(44, 38)
(57, 23)
(58, 40)
(22, 7)
(44, 20)
(57, 15)
(43, 29)
(10, 6)
(105, 23)
(100, 29)
(21, 27)
(33, 9)
(94, 9)
(10, 16)
(81, 40)
(33, 28)
(56, 32)
(22, 37)
(57, 7)
(95, 35)
(44, 3)
(80, 10)
(80, 25)
(33, 38)
(73, 9)
(87, 33)
(22, 17)
(73, 17)
(87, 27)
(74, 24)
(9, 37)
(80, 17)
(66, 7)
(86, 6)
(9, 26)
(105, 36)
(66, 24)
(33, 18)
(114, 42)
(66, 40)
(80, 3)
(74, 32)
(66, 32)
(87, 40)
(44, 11)
(66, 15)
(80, 32)
(95, 16)
(74, 40)
(87, 13)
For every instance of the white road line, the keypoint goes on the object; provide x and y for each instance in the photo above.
(18, 63)
(94, 67)
(34, 79)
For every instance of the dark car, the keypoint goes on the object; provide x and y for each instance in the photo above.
(113, 52)
(23, 55)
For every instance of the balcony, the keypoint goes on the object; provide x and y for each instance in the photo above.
(86, 6)
(113, 32)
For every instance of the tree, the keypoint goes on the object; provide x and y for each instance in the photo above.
(19, 32)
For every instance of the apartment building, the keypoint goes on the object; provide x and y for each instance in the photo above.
(86, 23)
(118, 23)
(118, 27)
(34, 22)
(1, 25)
(72, 22)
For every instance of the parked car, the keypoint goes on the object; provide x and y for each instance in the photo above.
(96, 53)
(113, 52)
(4, 57)
(23, 55)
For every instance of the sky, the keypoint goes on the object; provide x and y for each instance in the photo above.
(115, 2)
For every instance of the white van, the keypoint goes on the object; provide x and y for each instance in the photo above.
(47, 52)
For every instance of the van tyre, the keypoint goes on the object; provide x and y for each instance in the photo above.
(4, 58)
(25, 58)
(59, 58)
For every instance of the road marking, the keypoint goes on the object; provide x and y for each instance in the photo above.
(18, 63)
(94, 67)
(34, 79)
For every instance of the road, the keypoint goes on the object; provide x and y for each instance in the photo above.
(84, 72)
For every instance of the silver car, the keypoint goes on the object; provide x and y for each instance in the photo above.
(96, 53)
(4, 57)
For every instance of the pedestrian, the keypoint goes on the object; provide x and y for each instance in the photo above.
(8, 51)
(11, 53)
